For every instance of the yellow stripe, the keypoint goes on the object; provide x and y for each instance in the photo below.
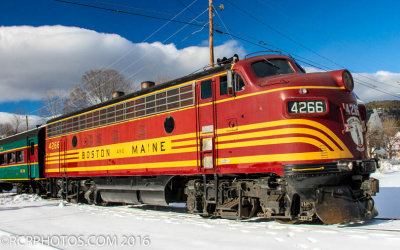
(170, 138)
(124, 156)
(184, 143)
(14, 149)
(192, 163)
(307, 169)
(279, 89)
(286, 122)
(282, 157)
(275, 141)
(269, 91)
(16, 165)
(125, 150)
(15, 179)
(54, 158)
(54, 154)
(284, 131)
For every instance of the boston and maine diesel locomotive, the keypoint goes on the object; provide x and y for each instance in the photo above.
(252, 137)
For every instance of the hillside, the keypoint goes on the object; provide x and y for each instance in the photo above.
(388, 108)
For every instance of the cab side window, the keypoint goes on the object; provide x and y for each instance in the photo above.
(223, 85)
(238, 82)
(206, 90)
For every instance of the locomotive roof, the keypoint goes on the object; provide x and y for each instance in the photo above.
(168, 84)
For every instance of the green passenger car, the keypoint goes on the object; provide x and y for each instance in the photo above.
(21, 159)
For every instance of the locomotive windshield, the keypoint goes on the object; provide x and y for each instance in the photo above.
(271, 67)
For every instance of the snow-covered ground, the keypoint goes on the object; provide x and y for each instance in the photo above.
(28, 222)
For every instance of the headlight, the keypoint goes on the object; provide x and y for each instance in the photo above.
(343, 79)
(348, 81)
(345, 166)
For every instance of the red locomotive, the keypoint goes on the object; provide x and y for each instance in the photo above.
(255, 137)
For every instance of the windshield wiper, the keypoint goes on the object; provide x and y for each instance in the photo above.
(270, 63)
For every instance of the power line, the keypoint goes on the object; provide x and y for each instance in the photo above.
(364, 83)
(259, 44)
(146, 10)
(282, 12)
(184, 5)
(226, 28)
(152, 34)
(299, 44)
(276, 30)
(120, 58)
(128, 12)
(176, 32)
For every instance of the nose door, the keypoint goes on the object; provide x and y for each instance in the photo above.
(206, 124)
(62, 156)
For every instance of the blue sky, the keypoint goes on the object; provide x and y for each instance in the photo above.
(362, 36)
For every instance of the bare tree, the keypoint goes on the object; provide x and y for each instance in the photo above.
(390, 129)
(18, 121)
(100, 84)
(6, 129)
(52, 104)
(77, 99)
(374, 138)
(161, 79)
(97, 86)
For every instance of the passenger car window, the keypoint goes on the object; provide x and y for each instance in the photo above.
(271, 67)
(11, 157)
(20, 156)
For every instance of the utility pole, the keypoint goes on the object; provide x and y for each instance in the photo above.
(27, 124)
(210, 11)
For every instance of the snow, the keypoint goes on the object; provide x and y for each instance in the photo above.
(389, 189)
(29, 222)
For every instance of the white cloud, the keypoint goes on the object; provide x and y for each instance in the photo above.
(378, 83)
(35, 59)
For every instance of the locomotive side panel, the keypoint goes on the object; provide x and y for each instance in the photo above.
(163, 143)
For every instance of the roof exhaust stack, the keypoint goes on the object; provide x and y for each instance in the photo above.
(117, 94)
(148, 84)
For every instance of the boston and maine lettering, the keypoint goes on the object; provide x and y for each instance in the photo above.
(145, 148)
(125, 150)
(96, 154)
